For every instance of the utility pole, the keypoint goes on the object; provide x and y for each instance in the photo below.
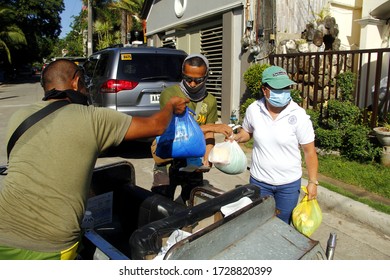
(90, 29)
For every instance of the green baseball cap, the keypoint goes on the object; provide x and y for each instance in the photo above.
(276, 77)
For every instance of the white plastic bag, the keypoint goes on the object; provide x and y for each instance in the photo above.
(175, 237)
(228, 157)
(220, 153)
(230, 208)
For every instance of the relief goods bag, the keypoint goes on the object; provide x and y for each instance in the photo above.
(228, 157)
(182, 139)
(307, 215)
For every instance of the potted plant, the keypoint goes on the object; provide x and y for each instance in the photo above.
(383, 134)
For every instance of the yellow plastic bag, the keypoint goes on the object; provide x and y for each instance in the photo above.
(307, 215)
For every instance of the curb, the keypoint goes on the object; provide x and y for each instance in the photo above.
(353, 209)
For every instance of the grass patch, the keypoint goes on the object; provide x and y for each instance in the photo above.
(374, 178)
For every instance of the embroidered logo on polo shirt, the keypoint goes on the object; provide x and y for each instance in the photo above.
(292, 120)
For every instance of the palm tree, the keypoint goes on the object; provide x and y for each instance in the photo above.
(106, 35)
(130, 10)
(10, 34)
(106, 21)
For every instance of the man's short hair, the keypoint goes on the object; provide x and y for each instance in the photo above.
(58, 71)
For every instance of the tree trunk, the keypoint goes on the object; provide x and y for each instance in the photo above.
(124, 27)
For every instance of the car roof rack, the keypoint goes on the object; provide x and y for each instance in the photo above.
(116, 46)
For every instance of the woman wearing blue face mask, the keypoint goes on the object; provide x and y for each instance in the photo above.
(280, 129)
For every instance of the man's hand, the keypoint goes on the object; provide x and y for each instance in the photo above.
(206, 163)
(217, 128)
(224, 129)
(145, 127)
(179, 104)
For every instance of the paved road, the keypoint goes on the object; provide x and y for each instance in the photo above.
(362, 233)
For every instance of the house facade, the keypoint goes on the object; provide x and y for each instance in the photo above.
(233, 34)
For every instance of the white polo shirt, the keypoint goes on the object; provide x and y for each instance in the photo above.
(276, 156)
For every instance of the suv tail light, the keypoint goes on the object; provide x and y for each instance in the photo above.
(113, 86)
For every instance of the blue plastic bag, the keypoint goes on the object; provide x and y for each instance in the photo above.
(183, 138)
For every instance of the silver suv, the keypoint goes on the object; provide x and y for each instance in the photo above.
(130, 79)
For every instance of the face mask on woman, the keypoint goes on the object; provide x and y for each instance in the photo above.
(279, 97)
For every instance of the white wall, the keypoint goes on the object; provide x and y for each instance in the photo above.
(346, 13)
(163, 14)
(292, 16)
(373, 35)
(374, 32)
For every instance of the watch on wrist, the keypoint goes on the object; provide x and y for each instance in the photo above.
(314, 182)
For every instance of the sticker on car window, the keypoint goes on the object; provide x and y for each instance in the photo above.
(126, 56)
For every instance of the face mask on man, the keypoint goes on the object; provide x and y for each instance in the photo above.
(194, 93)
(279, 97)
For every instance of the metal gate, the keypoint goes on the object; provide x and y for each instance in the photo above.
(211, 47)
(316, 76)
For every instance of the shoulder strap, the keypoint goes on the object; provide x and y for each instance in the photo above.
(31, 120)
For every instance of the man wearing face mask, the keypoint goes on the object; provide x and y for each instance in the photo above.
(195, 70)
(279, 127)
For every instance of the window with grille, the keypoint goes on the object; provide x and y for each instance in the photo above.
(211, 47)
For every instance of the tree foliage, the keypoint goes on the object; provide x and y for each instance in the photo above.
(11, 36)
(40, 22)
(30, 33)
(129, 10)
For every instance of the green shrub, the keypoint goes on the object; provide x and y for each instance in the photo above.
(339, 129)
(340, 114)
(346, 85)
(356, 145)
(328, 139)
(296, 96)
(252, 78)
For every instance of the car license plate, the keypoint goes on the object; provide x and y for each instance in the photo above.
(154, 98)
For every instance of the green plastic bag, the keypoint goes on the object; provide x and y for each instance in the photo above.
(228, 157)
(307, 215)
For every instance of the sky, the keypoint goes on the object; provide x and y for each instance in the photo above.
(72, 8)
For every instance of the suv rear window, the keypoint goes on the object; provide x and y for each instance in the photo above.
(149, 66)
